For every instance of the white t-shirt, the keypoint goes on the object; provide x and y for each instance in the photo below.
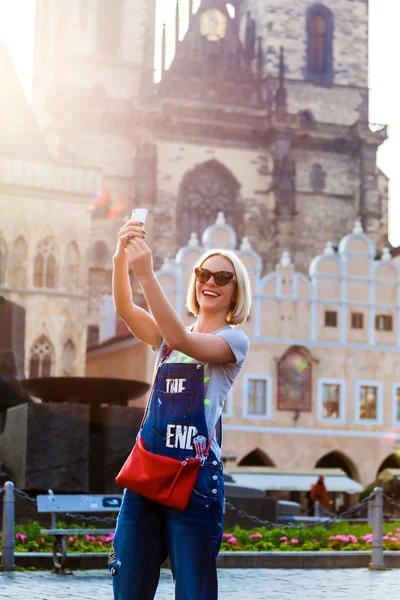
(218, 377)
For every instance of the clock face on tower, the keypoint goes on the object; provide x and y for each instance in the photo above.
(213, 24)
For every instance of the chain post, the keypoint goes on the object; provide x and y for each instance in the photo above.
(53, 515)
(377, 563)
(7, 555)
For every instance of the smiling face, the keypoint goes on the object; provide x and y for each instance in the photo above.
(212, 297)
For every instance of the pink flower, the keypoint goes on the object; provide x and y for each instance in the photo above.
(315, 541)
(21, 536)
(232, 540)
(42, 541)
(110, 537)
(90, 538)
(353, 539)
(255, 536)
(294, 541)
(394, 539)
(71, 539)
(283, 538)
(101, 544)
(226, 536)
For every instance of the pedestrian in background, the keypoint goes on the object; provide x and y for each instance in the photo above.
(319, 493)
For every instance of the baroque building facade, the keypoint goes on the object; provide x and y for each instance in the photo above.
(321, 384)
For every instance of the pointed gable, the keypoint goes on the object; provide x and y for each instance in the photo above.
(211, 64)
(20, 133)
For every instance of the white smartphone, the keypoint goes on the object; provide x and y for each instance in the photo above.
(139, 215)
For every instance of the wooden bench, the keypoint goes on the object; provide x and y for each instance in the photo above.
(74, 503)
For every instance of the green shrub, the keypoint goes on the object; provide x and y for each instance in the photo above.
(341, 536)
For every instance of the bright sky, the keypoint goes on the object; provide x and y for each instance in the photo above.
(17, 31)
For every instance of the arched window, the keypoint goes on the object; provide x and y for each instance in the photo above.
(317, 178)
(294, 380)
(41, 358)
(100, 254)
(320, 43)
(72, 272)
(337, 460)
(19, 256)
(69, 358)
(3, 261)
(45, 265)
(206, 191)
(256, 458)
(93, 335)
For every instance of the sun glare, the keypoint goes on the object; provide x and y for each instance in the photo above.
(18, 35)
(17, 18)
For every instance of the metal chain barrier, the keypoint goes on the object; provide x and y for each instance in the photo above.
(391, 501)
(323, 522)
(77, 516)
(25, 496)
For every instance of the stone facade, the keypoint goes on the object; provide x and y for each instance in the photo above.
(338, 327)
(92, 62)
(46, 215)
(252, 108)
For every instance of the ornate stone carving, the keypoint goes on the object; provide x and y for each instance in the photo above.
(205, 192)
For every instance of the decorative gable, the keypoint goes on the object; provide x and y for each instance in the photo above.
(211, 63)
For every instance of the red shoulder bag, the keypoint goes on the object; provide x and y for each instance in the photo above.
(160, 478)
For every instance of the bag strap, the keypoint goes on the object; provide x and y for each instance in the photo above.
(164, 356)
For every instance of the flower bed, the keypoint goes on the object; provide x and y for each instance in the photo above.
(342, 536)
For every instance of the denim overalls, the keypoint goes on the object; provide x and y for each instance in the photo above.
(148, 532)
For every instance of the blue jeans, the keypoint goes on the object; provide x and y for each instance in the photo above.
(147, 533)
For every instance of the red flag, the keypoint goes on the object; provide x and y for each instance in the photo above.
(101, 197)
(115, 210)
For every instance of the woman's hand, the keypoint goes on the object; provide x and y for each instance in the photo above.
(140, 258)
(131, 230)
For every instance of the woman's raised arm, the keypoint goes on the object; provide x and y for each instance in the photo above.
(139, 321)
(201, 346)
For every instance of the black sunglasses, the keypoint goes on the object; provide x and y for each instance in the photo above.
(220, 277)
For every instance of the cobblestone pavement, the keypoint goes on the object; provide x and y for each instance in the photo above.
(235, 584)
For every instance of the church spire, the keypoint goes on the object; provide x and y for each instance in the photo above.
(177, 24)
(281, 93)
(164, 49)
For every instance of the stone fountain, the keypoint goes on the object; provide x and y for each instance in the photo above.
(76, 438)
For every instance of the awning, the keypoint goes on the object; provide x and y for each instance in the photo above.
(272, 482)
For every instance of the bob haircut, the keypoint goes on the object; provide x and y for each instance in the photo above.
(241, 308)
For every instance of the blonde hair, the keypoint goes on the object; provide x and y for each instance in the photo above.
(240, 311)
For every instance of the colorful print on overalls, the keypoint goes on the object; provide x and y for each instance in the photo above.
(175, 425)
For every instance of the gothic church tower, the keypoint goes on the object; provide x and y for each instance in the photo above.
(93, 64)
(321, 49)
(262, 115)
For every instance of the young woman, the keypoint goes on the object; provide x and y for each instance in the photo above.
(191, 385)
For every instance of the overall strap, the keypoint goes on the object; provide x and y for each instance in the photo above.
(164, 356)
